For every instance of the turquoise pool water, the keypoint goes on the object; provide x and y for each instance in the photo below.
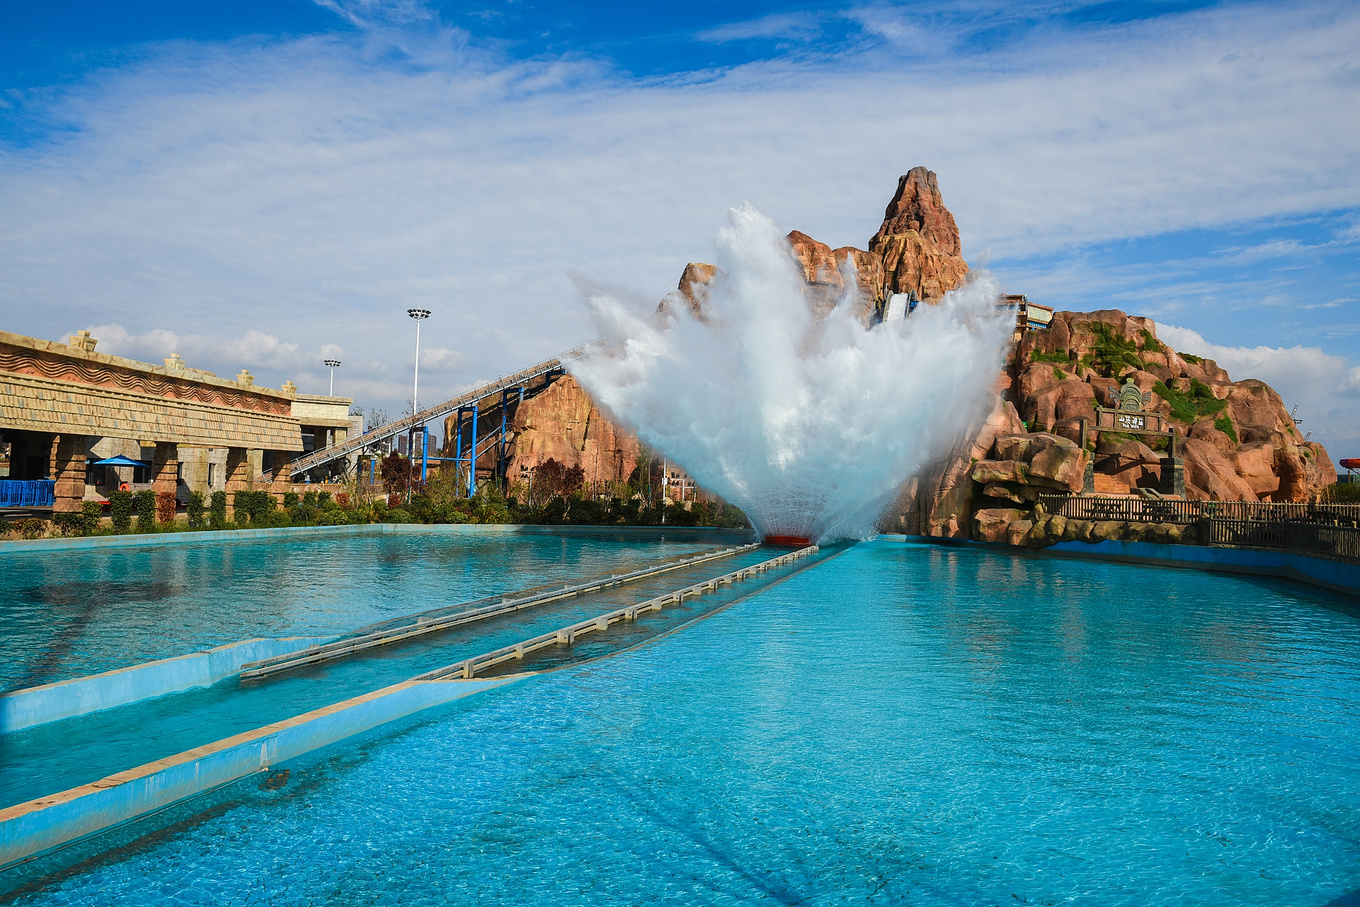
(63, 754)
(899, 724)
(76, 612)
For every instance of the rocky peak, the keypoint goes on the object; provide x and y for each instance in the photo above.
(918, 242)
(918, 207)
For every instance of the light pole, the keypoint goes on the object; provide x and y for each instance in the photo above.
(332, 364)
(419, 315)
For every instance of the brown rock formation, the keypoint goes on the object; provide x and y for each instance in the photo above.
(1238, 441)
(918, 242)
(825, 270)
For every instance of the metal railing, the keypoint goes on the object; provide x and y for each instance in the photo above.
(27, 492)
(433, 622)
(1312, 538)
(391, 429)
(1331, 530)
(468, 668)
(1131, 509)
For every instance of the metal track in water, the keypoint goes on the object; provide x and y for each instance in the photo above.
(468, 668)
(508, 604)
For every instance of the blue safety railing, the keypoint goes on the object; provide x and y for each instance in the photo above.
(27, 492)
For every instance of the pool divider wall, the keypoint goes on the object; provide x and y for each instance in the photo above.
(81, 695)
(30, 829)
(305, 533)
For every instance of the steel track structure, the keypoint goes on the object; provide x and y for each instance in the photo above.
(521, 381)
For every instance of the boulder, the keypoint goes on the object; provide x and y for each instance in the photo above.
(1058, 462)
(1209, 476)
(993, 524)
(1017, 533)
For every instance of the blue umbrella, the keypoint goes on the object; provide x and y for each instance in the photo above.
(120, 460)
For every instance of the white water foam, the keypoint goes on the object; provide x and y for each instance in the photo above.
(809, 425)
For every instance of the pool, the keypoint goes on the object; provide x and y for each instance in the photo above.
(76, 612)
(901, 723)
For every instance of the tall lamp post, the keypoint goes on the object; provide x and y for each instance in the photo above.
(419, 315)
(332, 364)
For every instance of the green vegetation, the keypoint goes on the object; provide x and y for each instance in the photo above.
(1191, 358)
(1150, 343)
(1224, 423)
(217, 510)
(1111, 354)
(552, 495)
(195, 510)
(1055, 356)
(144, 503)
(1059, 374)
(1341, 493)
(1191, 405)
(120, 510)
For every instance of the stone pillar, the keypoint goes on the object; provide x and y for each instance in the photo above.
(165, 468)
(67, 469)
(280, 475)
(1173, 476)
(237, 476)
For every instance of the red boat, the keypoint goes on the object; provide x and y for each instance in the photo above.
(1350, 463)
(787, 541)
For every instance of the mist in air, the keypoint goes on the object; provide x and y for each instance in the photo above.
(809, 425)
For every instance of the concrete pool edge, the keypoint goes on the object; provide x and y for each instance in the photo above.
(1335, 576)
(39, 826)
(33, 706)
(137, 540)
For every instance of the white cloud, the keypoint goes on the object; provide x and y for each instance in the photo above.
(779, 25)
(440, 359)
(308, 192)
(1323, 386)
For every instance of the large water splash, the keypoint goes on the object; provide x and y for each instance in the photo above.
(809, 424)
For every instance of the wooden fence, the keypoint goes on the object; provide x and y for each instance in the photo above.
(1131, 509)
(1331, 530)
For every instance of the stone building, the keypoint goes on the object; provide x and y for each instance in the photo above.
(64, 406)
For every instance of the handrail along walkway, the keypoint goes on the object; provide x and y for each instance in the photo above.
(508, 604)
(468, 668)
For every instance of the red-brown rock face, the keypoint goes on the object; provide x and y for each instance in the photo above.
(1238, 441)
(918, 242)
(825, 269)
(563, 424)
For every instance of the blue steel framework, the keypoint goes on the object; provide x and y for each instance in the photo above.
(521, 382)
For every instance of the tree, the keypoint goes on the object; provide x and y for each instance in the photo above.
(554, 480)
(396, 473)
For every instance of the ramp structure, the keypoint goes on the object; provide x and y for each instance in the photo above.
(491, 401)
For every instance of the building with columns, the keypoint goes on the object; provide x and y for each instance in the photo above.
(64, 406)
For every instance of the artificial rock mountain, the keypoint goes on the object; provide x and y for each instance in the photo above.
(1238, 440)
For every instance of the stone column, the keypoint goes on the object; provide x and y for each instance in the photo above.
(67, 468)
(165, 468)
(237, 476)
(280, 475)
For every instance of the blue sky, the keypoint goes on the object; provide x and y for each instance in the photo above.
(262, 184)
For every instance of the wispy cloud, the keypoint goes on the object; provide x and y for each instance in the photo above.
(800, 26)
